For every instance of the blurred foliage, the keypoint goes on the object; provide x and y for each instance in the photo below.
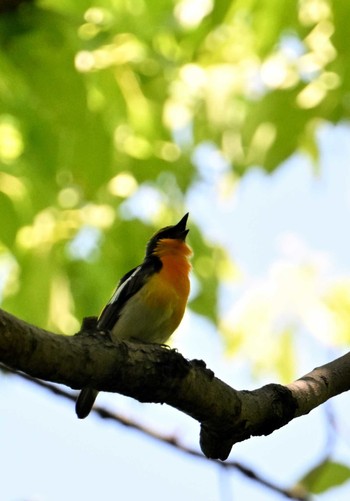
(102, 108)
(298, 296)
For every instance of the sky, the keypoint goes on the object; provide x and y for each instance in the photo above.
(51, 455)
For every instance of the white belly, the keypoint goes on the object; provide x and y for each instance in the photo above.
(144, 322)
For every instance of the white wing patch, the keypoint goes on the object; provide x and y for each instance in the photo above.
(117, 292)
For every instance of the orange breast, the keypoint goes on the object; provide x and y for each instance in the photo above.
(169, 289)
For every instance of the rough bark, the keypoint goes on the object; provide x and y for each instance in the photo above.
(153, 373)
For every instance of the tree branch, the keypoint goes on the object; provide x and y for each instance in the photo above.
(153, 373)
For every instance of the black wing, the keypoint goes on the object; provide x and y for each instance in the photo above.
(127, 287)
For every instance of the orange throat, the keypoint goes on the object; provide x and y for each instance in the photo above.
(175, 255)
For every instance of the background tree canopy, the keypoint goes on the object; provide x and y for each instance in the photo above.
(111, 112)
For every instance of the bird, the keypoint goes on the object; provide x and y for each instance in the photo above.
(150, 300)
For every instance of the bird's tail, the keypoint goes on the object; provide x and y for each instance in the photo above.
(85, 401)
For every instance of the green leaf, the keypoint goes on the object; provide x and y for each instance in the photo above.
(32, 302)
(324, 476)
(9, 222)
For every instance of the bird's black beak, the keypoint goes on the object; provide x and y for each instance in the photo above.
(179, 229)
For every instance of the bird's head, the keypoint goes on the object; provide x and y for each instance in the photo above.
(177, 232)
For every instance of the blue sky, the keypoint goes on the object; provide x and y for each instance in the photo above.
(50, 455)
